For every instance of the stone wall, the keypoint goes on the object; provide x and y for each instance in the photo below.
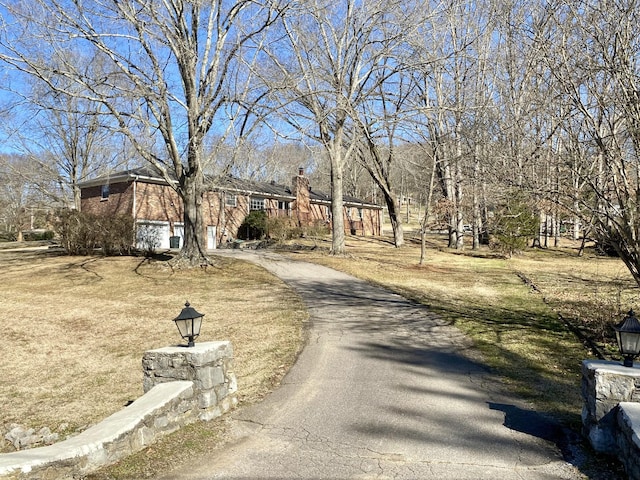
(627, 438)
(604, 386)
(182, 385)
(611, 411)
(208, 365)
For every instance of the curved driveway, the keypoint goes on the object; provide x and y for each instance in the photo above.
(380, 391)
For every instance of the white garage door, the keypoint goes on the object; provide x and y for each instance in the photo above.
(152, 235)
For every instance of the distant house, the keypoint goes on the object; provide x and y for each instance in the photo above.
(158, 212)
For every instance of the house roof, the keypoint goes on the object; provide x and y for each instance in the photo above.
(230, 183)
(276, 190)
(146, 174)
(227, 183)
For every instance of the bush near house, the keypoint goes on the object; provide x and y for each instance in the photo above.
(317, 229)
(254, 226)
(83, 233)
(7, 236)
(283, 228)
(257, 225)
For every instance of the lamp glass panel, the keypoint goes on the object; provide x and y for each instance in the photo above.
(629, 343)
(197, 324)
(189, 324)
(183, 327)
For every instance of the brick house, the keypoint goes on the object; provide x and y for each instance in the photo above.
(157, 209)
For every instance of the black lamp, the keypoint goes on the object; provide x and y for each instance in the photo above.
(189, 322)
(628, 337)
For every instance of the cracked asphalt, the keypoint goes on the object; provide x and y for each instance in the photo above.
(382, 390)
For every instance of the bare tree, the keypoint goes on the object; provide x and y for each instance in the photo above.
(272, 161)
(440, 79)
(66, 138)
(381, 123)
(325, 68)
(592, 52)
(168, 73)
(19, 198)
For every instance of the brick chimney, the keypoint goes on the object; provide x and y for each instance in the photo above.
(301, 206)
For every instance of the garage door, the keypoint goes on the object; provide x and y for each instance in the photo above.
(152, 235)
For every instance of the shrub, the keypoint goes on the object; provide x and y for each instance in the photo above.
(254, 226)
(514, 224)
(283, 228)
(7, 236)
(83, 233)
(36, 236)
(148, 238)
(257, 226)
(287, 228)
(319, 228)
(116, 235)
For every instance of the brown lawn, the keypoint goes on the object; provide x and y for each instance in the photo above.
(74, 330)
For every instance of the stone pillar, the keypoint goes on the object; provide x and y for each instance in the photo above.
(604, 386)
(209, 365)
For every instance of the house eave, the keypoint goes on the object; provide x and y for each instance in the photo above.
(316, 198)
(123, 178)
(253, 193)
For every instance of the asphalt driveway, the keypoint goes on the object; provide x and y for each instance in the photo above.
(383, 389)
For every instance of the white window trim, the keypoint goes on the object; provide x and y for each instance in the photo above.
(253, 201)
(231, 200)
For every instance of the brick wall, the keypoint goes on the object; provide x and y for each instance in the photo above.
(226, 219)
(371, 220)
(158, 203)
(119, 202)
(154, 202)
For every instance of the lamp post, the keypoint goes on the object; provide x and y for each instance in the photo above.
(189, 322)
(628, 337)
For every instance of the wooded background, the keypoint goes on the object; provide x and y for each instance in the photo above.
(483, 115)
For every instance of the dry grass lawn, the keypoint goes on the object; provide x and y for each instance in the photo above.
(74, 330)
(522, 332)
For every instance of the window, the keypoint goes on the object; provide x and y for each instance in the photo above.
(283, 205)
(105, 191)
(256, 203)
(231, 200)
(360, 213)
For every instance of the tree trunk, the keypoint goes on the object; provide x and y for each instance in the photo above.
(77, 198)
(337, 208)
(194, 249)
(458, 205)
(446, 181)
(477, 220)
(394, 218)
(427, 212)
